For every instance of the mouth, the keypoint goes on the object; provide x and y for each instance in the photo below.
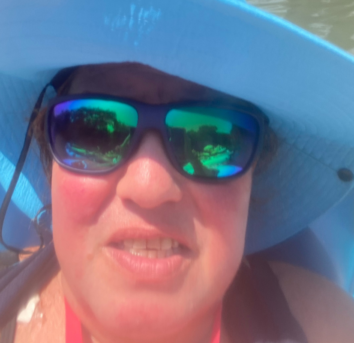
(151, 259)
(153, 248)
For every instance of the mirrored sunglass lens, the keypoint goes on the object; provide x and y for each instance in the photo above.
(211, 142)
(92, 134)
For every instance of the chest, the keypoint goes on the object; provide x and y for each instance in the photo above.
(48, 318)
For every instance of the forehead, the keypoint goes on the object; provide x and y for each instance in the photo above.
(142, 83)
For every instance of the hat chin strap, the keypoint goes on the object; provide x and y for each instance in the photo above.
(17, 173)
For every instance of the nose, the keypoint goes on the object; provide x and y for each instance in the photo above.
(149, 179)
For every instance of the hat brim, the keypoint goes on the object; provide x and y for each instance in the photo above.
(302, 83)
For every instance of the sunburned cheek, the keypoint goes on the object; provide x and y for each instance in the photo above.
(78, 198)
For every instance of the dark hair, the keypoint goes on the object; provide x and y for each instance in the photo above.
(269, 147)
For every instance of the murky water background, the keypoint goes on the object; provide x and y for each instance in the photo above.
(332, 20)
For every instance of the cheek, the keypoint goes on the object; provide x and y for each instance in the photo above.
(77, 202)
(78, 199)
(222, 222)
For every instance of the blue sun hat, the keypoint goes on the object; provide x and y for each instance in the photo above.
(304, 84)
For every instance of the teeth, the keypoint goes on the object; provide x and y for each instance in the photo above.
(151, 248)
(161, 254)
(154, 243)
(142, 253)
(128, 243)
(139, 244)
(152, 254)
(166, 243)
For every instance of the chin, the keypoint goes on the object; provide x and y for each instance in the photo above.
(150, 320)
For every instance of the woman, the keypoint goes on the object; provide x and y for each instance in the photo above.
(149, 240)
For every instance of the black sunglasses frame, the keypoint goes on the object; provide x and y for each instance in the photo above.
(152, 118)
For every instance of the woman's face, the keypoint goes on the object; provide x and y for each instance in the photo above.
(102, 223)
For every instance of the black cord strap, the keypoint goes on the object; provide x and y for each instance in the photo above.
(56, 82)
(19, 166)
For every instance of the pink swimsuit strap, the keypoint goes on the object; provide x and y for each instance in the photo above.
(73, 330)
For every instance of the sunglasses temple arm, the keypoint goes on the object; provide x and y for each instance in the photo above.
(17, 173)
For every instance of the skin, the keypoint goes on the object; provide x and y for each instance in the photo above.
(149, 194)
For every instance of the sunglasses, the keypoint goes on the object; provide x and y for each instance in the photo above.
(95, 134)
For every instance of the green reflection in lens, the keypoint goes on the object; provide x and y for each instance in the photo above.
(97, 133)
(192, 119)
(189, 168)
(124, 113)
(205, 144)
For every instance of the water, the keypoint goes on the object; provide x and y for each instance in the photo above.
(332, 20)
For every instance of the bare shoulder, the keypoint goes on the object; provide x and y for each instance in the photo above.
(325, 312)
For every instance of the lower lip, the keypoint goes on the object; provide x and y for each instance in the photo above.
(147, 269)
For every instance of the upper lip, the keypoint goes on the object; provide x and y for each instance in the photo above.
(146, 233)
